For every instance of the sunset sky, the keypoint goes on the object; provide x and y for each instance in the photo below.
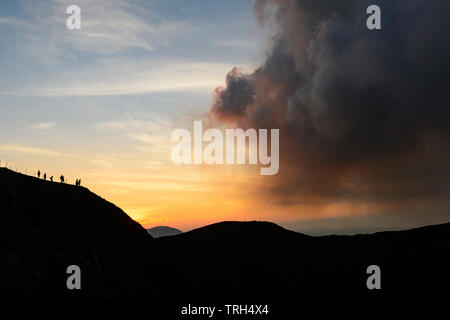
(100, 104)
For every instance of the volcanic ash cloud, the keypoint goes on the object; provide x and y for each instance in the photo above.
(363, 114)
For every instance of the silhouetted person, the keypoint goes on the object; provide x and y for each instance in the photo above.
(39, 173)
(62, 178)
(78, 182)
(45, 176)
(51, 178)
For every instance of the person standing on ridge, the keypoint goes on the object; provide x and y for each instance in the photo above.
(62, 178)
(45, 176)
(51, 178)
(39, 174)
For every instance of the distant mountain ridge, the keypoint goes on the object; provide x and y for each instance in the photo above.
(262, 260)
(163, 231)
(45, 227)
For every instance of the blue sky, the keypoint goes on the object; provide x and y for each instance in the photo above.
(160, 57)
(100, 102)
(118, 36)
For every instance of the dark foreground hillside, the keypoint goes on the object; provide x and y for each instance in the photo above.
(44, 227)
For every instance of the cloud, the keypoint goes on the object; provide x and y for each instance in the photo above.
(16, 23)
(363, 115)
(107, 27)
(122, 48)
(43, 125)
(110, 125)
(232, 101)
(110, 78)
(150, 135)
(131, 124)
(29, 150)
(238, 43)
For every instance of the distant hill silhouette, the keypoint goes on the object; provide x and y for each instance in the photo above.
(44, 227)
(163, 231)
(263, 260)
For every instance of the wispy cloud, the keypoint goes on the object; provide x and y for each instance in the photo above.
(123, 48)
(15, 22)
(107, 26)
(157, 186)
(29, 150)
(131, 124)
(43, 126)
(153, 133)
(239, 43)
(120, 77)
(110, 125)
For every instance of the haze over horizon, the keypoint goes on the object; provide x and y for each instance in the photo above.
(363, 115)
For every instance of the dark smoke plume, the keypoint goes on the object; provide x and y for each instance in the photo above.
(363, 114)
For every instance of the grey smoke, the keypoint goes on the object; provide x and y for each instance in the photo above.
(363, 114)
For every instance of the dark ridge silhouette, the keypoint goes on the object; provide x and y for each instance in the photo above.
(261, 260)
(45, 227)
(163, 231)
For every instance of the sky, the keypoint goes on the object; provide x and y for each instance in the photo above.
(363, 115)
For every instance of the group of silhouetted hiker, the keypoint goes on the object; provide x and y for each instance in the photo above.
(62, 179)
